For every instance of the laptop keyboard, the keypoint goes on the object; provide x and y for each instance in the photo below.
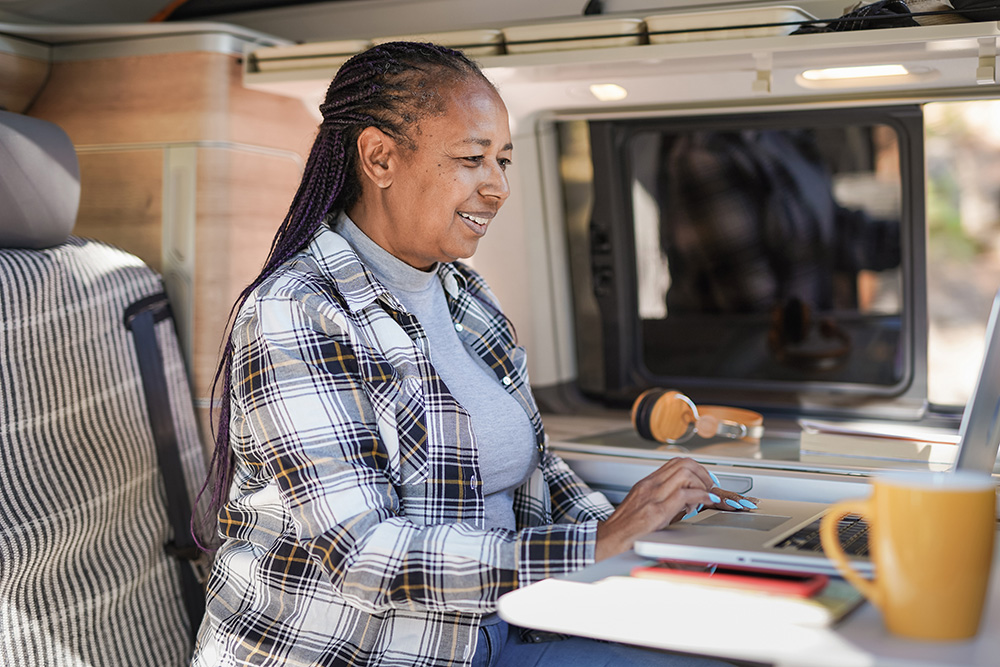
(853, 532)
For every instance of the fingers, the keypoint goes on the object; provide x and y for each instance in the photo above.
(732, 501)
(694, 500)
(683, 480)
(727, 500)
(682, 465)
(669, 485)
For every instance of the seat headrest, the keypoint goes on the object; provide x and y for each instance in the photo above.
(39, 183)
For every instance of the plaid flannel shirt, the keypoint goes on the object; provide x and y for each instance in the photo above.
(354, 533)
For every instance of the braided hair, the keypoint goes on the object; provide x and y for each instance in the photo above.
(392, 87)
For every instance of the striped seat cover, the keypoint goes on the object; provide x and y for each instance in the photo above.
(84, 579)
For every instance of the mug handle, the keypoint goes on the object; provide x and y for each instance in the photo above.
(830, 540)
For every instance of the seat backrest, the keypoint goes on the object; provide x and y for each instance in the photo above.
(84, 577)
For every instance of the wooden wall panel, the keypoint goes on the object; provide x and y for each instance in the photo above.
(242, 199)
(21, 79)
(162, 97)
(121, 201)
(253, 115)
(172, 97)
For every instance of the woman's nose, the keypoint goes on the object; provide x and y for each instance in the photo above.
(496, 184)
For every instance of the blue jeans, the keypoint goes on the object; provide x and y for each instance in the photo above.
(500, 646)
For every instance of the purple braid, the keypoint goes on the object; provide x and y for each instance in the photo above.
(390, 86)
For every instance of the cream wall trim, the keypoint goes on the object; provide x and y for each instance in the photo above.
(207, 36)
(558, 279)
(706, 72)
(152, 45)
(180, 193)
(24, 48)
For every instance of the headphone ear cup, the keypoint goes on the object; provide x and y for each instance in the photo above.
(663, 415)
(642, 410)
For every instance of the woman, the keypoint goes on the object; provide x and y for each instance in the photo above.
(383, 457)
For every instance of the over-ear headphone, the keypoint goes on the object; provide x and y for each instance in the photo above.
(671, 417)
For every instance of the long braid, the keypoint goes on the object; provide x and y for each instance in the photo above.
(391, 86)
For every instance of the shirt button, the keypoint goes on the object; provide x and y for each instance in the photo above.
(458, 327)
(506, 380)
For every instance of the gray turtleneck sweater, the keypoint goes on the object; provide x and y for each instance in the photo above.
(504, 434)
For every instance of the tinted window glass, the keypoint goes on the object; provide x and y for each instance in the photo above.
(769, 254)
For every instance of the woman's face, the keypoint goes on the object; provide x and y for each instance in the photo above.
(445, 192)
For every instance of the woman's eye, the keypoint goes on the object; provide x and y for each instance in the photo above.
(477, 160)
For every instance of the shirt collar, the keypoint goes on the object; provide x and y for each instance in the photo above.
(451, 279)
(355, 282)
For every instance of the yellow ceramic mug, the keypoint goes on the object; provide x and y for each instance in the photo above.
(931, 541)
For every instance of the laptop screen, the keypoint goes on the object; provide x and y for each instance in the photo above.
(979, 435)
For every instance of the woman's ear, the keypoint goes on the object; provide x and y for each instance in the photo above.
(376, 152)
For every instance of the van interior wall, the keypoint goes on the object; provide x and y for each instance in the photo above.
(184, 167)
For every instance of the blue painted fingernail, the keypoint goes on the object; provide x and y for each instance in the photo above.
(748, 504)
(733, 503)
(714, 498)
(690, 514)
(715, 480)
(698, 508)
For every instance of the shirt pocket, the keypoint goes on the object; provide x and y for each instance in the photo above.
(398, 406)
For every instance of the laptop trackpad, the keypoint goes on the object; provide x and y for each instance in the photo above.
(743, 520)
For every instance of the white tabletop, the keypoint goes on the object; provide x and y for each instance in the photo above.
(596, 603)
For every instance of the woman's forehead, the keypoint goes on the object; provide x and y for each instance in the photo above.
(474, 115)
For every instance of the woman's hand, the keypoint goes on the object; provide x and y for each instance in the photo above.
(678, 487)
(730, 500)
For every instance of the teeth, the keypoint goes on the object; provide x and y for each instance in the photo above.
(478, 221)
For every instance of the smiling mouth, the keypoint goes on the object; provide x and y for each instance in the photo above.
(477, 223)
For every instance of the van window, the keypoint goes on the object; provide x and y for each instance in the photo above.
(759, 253)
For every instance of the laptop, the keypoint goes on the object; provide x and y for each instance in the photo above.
(784, 534)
